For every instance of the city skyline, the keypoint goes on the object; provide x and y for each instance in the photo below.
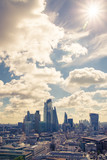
(53, 50)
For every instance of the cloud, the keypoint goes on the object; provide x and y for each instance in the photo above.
(27, 36)
(30, 84)
(24, 27)
(74, 50)
(28, 93)
(1, 104)
(97, 48)
(81, 103)
(91, 48)
(100, 46)
(85, 78)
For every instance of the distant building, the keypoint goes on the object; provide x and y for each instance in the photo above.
(70, 121)
(32, 122)
(42, 126)
(27, 127)
(99, 140)
(94, 118)
(12, 153)
(20, 125)
(65, 118)
(37, 121)
(66, 154)
(54, 120)
(89, 147)
(1, 140)
(29, 123)
(50, 116)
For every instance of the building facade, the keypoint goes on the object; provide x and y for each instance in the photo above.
(94, 119)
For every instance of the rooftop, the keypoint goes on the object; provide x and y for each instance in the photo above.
(96, 138)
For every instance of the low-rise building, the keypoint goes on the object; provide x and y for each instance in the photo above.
(12, 154)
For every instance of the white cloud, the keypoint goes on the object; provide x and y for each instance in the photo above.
(98, 48)
(29, 92)
(70, 45)
(74, 50)
(84, 77)
(81, 103)
(26, 30)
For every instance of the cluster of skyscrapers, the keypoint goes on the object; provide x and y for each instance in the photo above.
(50, 116)
(32, 122)
(50, 123)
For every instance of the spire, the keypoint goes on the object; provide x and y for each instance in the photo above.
(28, 116)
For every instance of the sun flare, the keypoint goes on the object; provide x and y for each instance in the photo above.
(93, 11)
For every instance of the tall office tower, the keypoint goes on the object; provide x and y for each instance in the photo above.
(27, 123)
(65, 118)
(70, 121)
(55, 124)
(37, 121)
(48, 114)
(94, 118)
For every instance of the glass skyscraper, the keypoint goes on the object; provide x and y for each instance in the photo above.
(94, 118)
(50, 116)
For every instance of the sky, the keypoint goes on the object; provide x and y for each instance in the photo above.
(53, 49)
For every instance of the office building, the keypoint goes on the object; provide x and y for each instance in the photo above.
(37, 121)
(94, 118)
(55, 124)
(65, 118)
(70, 121)
(50, 116)
(27, 123)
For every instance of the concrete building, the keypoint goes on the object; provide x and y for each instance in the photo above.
(89, 147)
(98, 140)
(11, 155)
(67, 154)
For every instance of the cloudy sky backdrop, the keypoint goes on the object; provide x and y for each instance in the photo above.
(52, 49)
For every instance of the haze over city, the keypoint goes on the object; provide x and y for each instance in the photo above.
(53, 50)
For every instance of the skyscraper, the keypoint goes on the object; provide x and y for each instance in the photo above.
(37, 120)
(55, 124)
(65, 118)
(27, 123)
(70, 121)
(94, 118)
(31, 122)
(48, 114)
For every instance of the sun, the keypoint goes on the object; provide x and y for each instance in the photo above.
(93, 11)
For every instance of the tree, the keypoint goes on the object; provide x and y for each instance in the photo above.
(19, 158)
